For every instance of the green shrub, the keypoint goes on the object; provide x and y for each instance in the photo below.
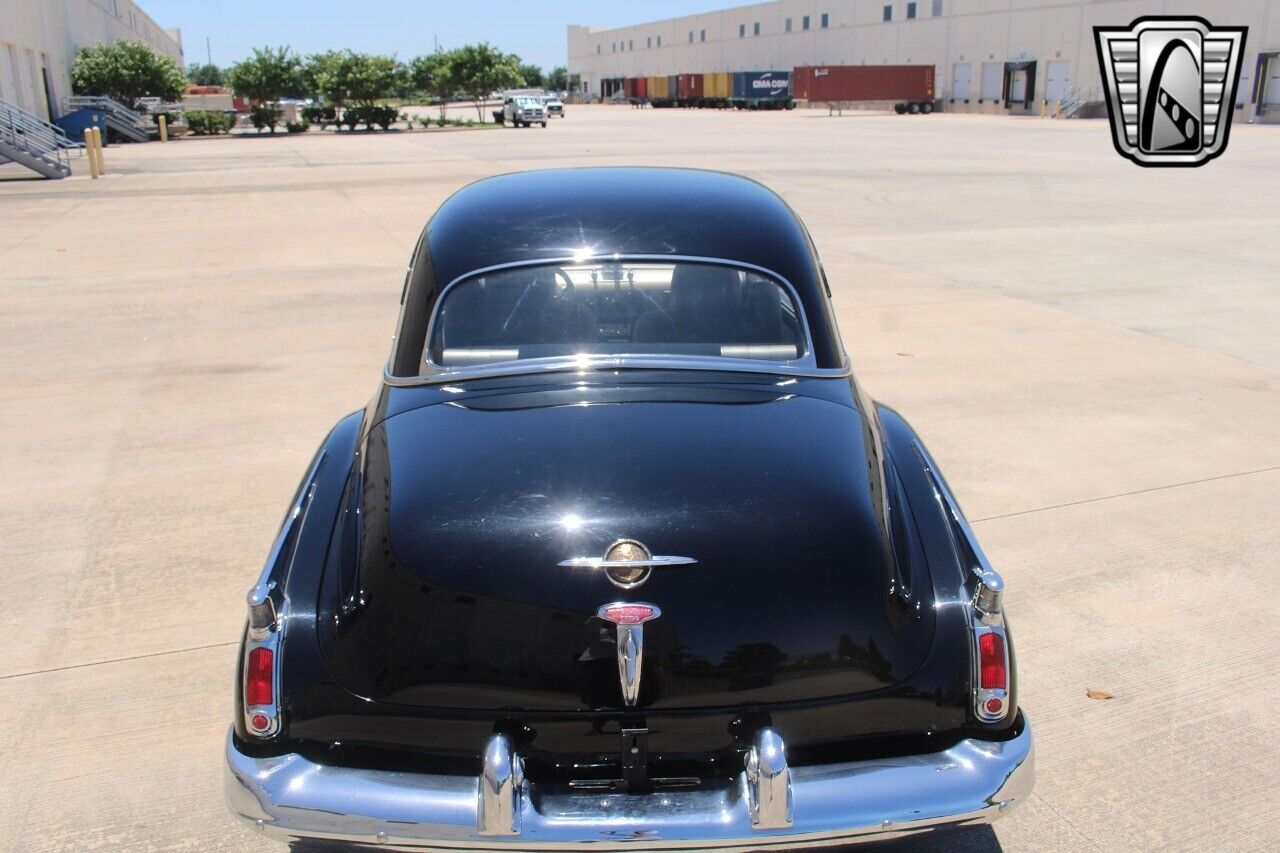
(297, 126)
(209, 123)
(264, 116)
(320, 115)
(383, 117)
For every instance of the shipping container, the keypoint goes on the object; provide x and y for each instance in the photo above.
(717, 86)
(837, 84)
(761, 88)
(657, 88)
(689, 88)
(637, 88)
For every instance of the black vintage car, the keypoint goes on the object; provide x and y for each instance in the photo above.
(620, 556)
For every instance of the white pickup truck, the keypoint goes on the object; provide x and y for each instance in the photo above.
(523, 111)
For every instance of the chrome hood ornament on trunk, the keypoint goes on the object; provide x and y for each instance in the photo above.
(629, 619)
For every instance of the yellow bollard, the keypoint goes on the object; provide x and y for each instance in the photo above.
(98, 146)
(1057, 108)
(1044, 109)
(90, 153)
(164, 128)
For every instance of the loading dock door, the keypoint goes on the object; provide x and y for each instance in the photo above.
(1058, 81)
(1018, 85)
(992, 78)
(1271, 82)
(961, 80)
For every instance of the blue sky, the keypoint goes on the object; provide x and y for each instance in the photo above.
(534, 29)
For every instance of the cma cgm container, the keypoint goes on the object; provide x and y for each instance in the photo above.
(761, 89)
(908, 87)
(689, 90)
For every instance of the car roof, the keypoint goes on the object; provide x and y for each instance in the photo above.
(628, 211)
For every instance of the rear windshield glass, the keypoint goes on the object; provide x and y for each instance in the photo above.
(619, 308)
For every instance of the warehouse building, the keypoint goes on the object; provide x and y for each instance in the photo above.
(994, 56)
(39, 40)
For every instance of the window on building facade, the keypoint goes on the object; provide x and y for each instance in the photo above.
(937, 8)
(659, 41)
(614, 47)
(888, 13)
(804, 22)
(788, 25)
(631, 45)
(742, 30)
(649, 42)
(702, 35)
(690, 36)
(598, 48)
(822, 22)
(911, 11)
(755, 30)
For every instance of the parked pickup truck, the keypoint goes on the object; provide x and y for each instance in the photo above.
(554, 106)
(521, 112)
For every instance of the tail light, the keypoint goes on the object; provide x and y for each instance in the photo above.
(258, 677)
(991, 662)
(261, 659)
(991, 690)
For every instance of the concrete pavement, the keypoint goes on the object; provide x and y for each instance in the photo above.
(1089, 348)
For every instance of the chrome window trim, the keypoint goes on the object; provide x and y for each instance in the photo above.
(805, 365)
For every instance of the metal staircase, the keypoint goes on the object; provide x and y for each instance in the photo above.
(33, 142)
(1074, 100)
(121, 119)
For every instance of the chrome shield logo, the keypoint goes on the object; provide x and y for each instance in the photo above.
(1171, 88)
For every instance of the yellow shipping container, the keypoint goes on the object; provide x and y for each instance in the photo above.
(658, 89)
(717, 84)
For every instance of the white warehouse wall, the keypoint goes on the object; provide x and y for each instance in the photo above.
(1056, 34)
(40, 38)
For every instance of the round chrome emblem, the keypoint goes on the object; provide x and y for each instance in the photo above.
(627, 551)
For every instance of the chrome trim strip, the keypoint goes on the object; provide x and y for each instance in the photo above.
(975, 781)
(803, 365)
(266, 618)
(768, 778)
(654, 562)
(985, 602)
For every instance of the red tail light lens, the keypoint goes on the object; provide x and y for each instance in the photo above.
(991, 660)
(257, 678)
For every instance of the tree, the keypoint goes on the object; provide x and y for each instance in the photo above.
(264, 78)
(268, 75)
(203, 74)
(531, 75)
(558, 79)
(126, 71)
(481, 69)
(433, 74)
(348, 80)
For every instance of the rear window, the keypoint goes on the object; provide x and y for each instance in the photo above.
(616, 308)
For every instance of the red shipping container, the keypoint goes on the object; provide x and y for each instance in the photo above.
(637, 87)
(832, 83)
(689, 87)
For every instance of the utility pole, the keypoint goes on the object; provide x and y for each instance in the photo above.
(208, 49)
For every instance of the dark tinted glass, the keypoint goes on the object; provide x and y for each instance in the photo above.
(620, 308)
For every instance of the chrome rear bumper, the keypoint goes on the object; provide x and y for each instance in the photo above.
(290, 796)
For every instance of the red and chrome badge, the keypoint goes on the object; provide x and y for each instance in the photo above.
(629, 619)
